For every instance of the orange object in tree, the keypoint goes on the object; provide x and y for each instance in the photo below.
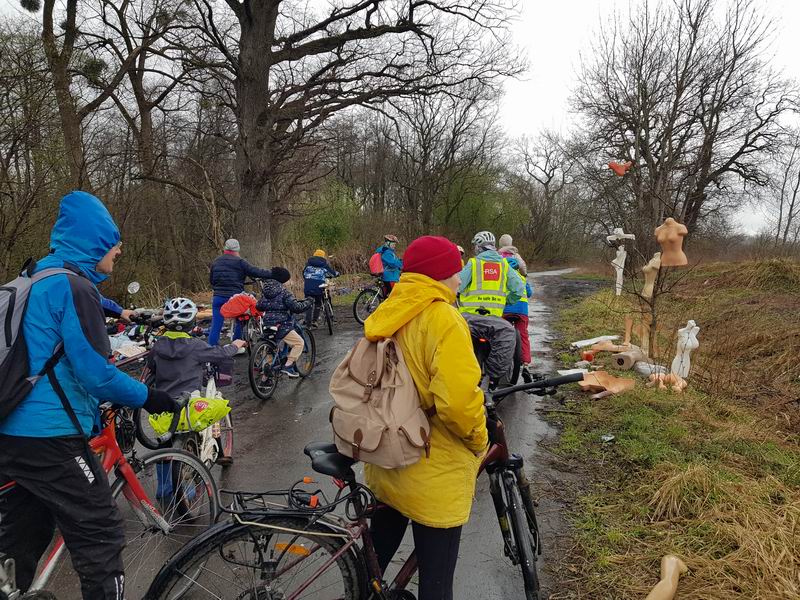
(620, 168)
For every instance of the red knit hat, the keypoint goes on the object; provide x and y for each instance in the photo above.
(431, 255)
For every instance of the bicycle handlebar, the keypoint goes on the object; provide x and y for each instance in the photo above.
(541, 384)
(166, 438)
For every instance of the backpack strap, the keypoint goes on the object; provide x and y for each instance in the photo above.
(49, 368)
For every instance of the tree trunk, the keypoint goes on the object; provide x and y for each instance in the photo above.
(255, 167)
(58, 62)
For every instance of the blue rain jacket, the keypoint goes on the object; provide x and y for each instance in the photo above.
(391, 264)
(68, 309)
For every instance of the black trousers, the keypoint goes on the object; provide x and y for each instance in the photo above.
(57, 488)
(437, 551)
(314, 310)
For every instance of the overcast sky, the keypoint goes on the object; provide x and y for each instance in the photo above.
(554, 33)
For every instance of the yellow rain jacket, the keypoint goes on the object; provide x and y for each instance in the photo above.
(437, 348)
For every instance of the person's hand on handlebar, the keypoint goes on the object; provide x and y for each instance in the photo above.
(158, 401)
(127, 315)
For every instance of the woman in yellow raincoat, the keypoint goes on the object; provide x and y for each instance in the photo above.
(435, 493)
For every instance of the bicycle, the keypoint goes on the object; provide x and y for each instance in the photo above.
(289, 544)
(369, 299)
(269, 357)
(165, 497)
(482, 347)
(327, 305)
(212, 445)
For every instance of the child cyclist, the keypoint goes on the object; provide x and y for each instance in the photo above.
(279, 307)
(178, 359)
(317, 272)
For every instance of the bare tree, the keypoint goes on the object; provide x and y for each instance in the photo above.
(292, 67)
(60, 50)
(782, 197)
(685, 94)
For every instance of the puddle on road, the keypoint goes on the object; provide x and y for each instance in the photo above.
(540, 315)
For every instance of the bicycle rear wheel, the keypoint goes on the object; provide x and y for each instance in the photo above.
(271, 558)
(366, 302)
(263, 379)
(305, 364)
(523, 538)
(183, 492)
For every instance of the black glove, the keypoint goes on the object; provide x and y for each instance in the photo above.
(159, 401)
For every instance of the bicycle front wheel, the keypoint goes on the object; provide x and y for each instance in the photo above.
(305, 364)
(366, 303)
(226, 436)
(274, 557)
(182, 492)
(326, 306)
(263, 379)
(523, 538)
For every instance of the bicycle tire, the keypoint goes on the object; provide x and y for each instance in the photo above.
(144, 431)
(190, 508)
(305, 364)
(226, 437)
(261, 364)
(366, 297)
(218, 546)
(517, 359)
(328, 309)
(523, 538)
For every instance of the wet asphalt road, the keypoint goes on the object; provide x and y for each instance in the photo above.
(270, 437)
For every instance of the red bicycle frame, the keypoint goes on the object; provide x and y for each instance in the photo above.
(113, 459)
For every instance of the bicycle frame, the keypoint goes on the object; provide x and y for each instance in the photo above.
(112, 460)
(496, 459)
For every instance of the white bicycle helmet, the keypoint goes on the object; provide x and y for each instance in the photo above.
(483, 238)
(179, 312)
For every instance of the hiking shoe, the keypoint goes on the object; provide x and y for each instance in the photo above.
(224, 461)
(290, 372)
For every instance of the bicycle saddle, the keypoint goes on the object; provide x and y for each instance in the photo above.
(326, 459)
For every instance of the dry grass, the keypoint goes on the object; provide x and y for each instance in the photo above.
(713, 475)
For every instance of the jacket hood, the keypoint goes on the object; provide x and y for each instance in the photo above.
(410, 296)
(173, 347)
(83, 234)
(511, 249)
(272, 288)
(317, 261)
(490, 255)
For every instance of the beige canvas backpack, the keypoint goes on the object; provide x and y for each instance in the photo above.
(376, 417)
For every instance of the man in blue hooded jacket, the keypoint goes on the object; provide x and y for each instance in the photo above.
(58, 484)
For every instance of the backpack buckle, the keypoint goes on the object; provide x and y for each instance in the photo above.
(371, 378)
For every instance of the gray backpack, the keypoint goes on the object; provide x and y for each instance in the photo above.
(16, 381)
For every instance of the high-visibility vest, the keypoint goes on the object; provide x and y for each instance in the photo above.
(488, 288)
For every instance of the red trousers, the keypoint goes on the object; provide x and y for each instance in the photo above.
(520, 323)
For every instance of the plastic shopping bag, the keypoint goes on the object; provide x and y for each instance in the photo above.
(203, 412)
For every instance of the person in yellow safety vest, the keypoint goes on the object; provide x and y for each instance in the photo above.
(487, 284)
(486, 287)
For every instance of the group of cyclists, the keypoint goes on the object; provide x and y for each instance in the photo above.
(493, 297)
(59, 482)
